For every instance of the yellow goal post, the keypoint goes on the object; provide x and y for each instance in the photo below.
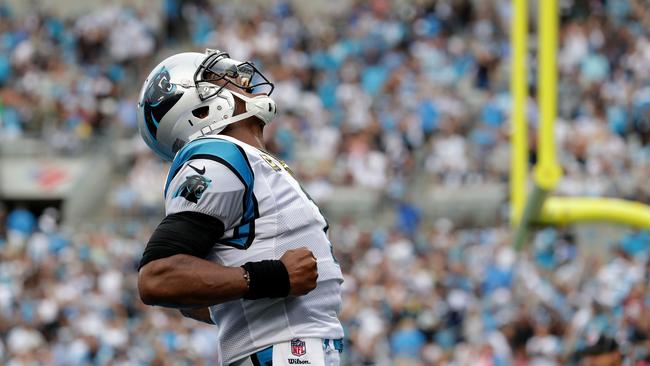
(539, 207)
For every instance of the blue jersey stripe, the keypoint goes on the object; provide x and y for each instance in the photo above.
(263, 357)
(223, 149)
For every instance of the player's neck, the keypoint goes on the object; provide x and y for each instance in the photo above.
(249, 131)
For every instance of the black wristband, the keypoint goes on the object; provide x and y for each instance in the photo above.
(268, 278)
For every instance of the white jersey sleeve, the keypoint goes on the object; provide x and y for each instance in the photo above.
(208, 187)
(214, 177)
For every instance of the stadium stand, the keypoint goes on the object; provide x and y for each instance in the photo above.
(394, 115)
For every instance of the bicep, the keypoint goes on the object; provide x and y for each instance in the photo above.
(187, 232)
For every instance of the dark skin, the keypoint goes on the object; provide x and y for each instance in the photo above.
(193, 284)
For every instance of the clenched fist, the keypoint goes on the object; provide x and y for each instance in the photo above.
(303, 272)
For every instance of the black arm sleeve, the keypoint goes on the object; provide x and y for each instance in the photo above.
(190, 233)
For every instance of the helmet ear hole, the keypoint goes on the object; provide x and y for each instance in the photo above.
(201, 112)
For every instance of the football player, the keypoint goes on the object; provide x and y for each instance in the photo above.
(242, 245)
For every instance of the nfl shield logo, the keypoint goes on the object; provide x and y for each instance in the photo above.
(298, 347)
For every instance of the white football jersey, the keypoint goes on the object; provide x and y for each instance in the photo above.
(265, 213)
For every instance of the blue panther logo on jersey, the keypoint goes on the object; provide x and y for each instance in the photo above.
(160, 96)
(193, 187)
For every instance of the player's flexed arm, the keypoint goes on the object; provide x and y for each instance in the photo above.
(186, 281)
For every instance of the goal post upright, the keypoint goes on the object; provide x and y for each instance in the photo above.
(547, 171)
(518, 125)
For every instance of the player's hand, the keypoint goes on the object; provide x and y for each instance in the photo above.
(303, 272)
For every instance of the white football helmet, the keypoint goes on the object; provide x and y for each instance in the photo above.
(180, 101)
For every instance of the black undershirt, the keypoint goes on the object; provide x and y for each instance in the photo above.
(192, 233)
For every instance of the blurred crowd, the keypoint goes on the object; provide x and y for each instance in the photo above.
(69, 297)
(374, 96)
(367, 94)
(444, 296)
(453, 296)
(65, 81)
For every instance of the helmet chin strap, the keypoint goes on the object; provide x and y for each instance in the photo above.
(261, 106)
